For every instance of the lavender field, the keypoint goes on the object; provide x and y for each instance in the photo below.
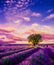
(43, 54)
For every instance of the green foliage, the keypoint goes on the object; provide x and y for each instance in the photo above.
(6, 61)
(34, 38)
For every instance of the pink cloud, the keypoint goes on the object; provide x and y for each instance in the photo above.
(31, 31)
(50, 16)
(47, 36)
(5, 31)
(26, 18)
(36, 14)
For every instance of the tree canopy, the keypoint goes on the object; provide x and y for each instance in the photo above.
(34, 39)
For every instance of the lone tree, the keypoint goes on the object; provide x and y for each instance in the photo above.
(34, 39)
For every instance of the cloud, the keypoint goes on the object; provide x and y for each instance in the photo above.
(35, 24)
(50, 16)
(50, 10)
(18, 17)
(18, 4)
(5, 38)
(37, 28)
(4, 31)
(8, 27)
(36, 14)
(47, 36)
(18, 22)
(26, 18)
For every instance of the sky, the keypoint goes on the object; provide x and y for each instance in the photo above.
(20, 18)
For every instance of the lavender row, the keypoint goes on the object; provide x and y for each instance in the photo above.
(12, 48)
(37, 58)
(40, 58)
(50, 53)
(17, 57)
(11, 52)
(27, 61)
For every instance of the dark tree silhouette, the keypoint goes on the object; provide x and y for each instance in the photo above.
(34, 39)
